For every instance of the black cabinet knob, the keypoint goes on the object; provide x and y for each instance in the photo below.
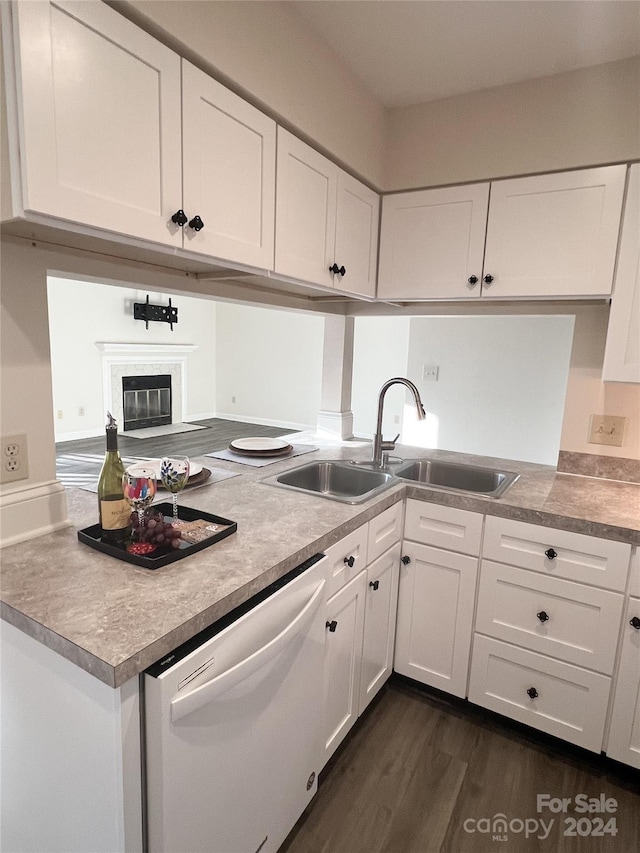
(543, 616)
(532, 693)
(635, 623)
(473, 279)
(406, 560)
(331, 625)
(350, 561)
(374, 584)
(488, 279)
(196, 223)
(550, 554)
(179, 217)
(336, 270)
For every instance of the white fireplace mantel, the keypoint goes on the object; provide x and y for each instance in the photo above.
(126, 359)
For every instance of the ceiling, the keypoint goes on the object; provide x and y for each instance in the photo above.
(411, 51)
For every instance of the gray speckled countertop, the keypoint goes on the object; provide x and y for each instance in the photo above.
(114, 619)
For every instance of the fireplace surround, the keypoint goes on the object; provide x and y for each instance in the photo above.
(121, 360)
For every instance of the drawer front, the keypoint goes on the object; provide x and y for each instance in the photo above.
(567, 701)
(578, 624)
(384, 531)
(557, 553)
(634, 586)
(345, 559)
(443, 527)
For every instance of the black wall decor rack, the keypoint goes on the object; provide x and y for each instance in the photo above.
(155, 313)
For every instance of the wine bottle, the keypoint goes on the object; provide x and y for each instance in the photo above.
(113, 507)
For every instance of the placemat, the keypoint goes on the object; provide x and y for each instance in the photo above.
(259, 461)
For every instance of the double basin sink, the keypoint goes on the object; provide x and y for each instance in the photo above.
(352, 483)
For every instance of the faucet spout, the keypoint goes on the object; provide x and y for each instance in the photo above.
(379, 445)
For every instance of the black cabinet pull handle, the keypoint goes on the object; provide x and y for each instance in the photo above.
(374, 584)
(179, 217)
(336, 270)
(550, 554)
(331, 625)
(635, 623)
(488, 279)
(196, 223)
(473, 279)
(406, 560)
(532, 693)
(543, 616)
(350, 561)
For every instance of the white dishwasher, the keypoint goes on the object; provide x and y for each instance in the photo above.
(233, 724)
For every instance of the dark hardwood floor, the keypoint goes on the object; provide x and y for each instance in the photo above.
(78, 462)
(419, 774)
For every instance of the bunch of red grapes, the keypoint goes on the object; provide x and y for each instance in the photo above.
(156, 531)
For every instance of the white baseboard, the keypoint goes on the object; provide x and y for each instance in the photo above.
(33, 511)
(80, 433)
(339, 424)
(247, 419)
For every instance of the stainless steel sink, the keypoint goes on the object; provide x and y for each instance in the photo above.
(454, 476)
(336, 480)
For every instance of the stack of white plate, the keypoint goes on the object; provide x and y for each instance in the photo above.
(257, 446)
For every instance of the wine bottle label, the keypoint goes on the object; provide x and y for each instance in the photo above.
(114, 515)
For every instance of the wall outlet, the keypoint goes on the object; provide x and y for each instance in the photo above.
(606, 429)
(430, 372)
(81, 411)
(60, 414)
(233, 399)
(15, 464)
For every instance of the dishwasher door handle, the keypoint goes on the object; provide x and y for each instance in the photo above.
(211, 690)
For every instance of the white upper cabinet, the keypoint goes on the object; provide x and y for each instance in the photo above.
(326, 221)
(99, 119)
(116, 136)
(622, 353)
(547, 236)
(554, 235)
(432, 243)
(229, 172)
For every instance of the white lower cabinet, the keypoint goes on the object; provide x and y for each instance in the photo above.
(361, 621)
(435, 616)
(436, 596)
(381, 603)
(545, 644)
(624, 733)
(555, 697)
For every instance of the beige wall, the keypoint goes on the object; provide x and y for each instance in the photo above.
(267, 54)
(581, 118)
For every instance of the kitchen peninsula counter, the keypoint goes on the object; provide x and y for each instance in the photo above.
(114, 619)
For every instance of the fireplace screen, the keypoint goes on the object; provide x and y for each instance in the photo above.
(146, 401)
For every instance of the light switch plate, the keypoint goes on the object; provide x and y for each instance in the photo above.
(607, 429)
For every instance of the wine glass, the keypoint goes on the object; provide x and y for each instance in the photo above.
(174, 473)
(139, 487)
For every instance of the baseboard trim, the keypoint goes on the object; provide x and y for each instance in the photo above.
(226, 416)
(32, 512)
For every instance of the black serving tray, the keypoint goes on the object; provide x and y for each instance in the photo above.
(91, 537)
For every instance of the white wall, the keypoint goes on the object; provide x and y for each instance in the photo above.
(82, 313)
(500, 389)
(580, 118)
(271, 362)
(380, 351)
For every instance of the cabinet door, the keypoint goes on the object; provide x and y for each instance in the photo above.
(229, 172)
(624, 735)
(356, 243)
(346, 559)
(554, 235)
(305, 211)
(622, 353)
(343, 660)
(100, 119)
(435, 617)
(384, 531)
(379, 624)
(432, 243)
